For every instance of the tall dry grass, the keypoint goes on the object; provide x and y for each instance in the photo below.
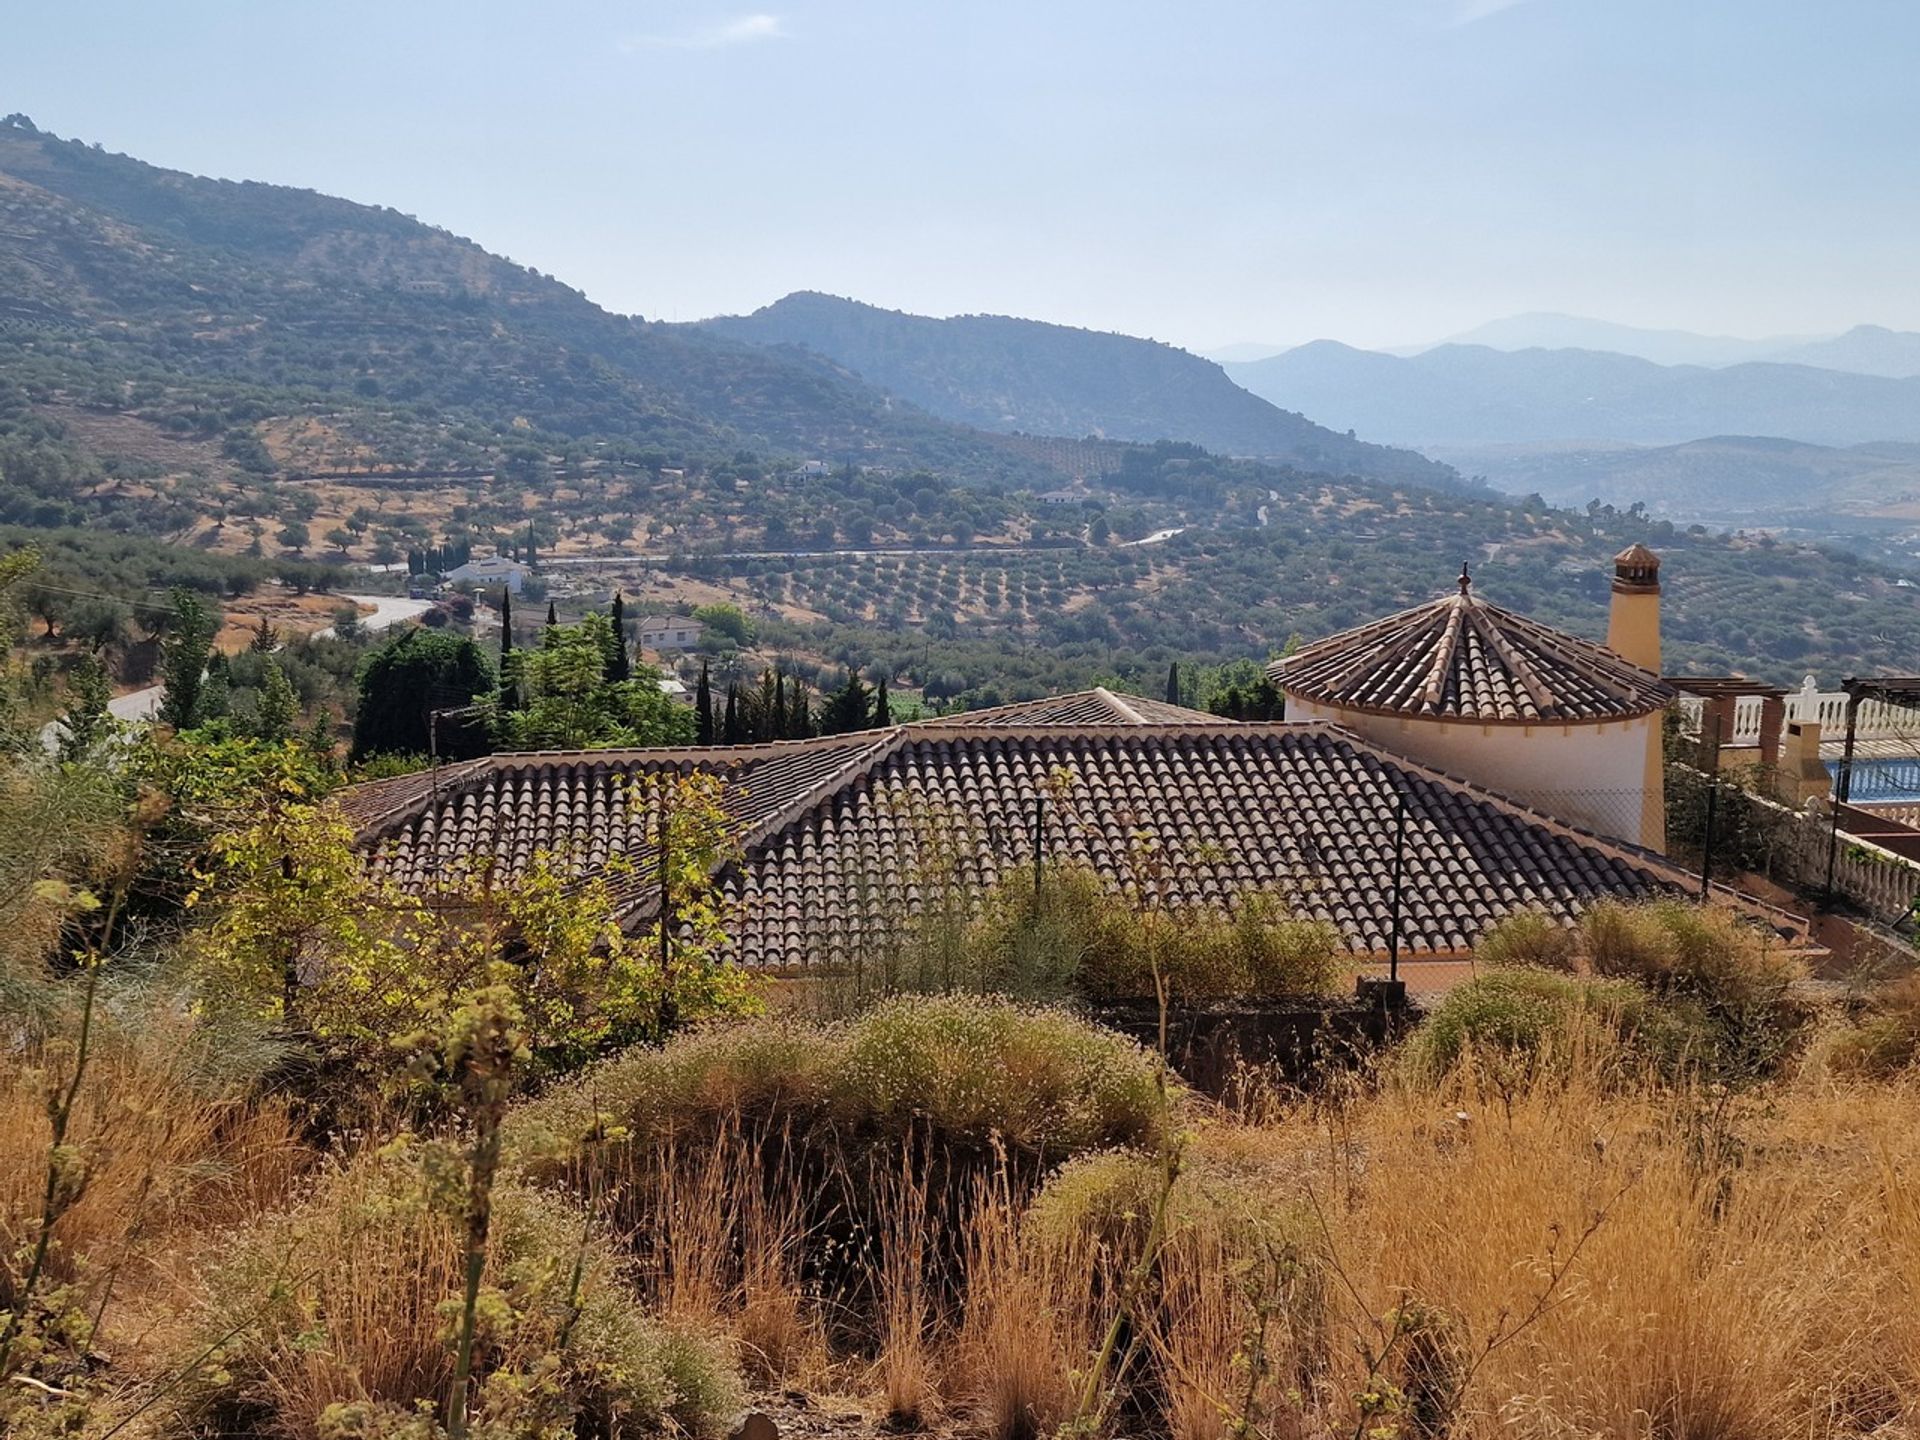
(167, 1153)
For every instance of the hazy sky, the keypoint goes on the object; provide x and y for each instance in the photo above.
(1381, 171)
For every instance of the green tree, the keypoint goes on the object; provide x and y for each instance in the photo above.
(569, 701)
(278, 706)
(703, 708)
(849, 708)
(620, 664)
(882, 715)
(87, 719)
(183, 659)
(405, 680)
(728, 620)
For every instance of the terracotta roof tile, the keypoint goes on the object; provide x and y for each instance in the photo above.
(838, 834)
(1461, 658)
(1098, 706)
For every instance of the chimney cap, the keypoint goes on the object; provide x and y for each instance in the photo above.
(1637, 557)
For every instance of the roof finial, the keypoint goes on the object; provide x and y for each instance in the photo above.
(1466, 580)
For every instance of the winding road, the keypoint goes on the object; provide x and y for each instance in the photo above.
(137, 705)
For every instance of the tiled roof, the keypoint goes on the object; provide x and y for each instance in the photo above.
(1460, 658)
(1098, 706)
(838, 835)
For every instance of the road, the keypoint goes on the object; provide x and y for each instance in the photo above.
(137, 705)
(1158, 537)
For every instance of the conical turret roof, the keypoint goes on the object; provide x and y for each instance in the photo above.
(1461, 658)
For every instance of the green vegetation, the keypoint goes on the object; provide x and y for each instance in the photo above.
(1680, 987)
(405, 681)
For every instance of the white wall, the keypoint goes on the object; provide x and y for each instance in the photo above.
(1593, 776)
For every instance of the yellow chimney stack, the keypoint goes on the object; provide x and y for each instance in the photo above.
(1633, 625)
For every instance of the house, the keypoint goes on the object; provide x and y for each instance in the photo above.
(669, 632)
(1556, 722)
(675, 689)
(836, 834)
(1061, 497)
(487, 570)
(812, 469)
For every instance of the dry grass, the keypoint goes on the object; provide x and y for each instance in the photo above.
(166, 1155)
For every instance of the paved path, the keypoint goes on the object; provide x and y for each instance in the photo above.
(1158, 537)
(388, 611)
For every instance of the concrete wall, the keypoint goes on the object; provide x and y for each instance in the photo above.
(1602, 777)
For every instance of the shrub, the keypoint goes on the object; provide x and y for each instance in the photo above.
(1887, 1039)
(1533, 1017)
(335, 1318)
(1707, 963)
(968, 1068)
(1529, 937)
(1065, 932)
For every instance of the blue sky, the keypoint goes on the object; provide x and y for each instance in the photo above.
(1380, 171)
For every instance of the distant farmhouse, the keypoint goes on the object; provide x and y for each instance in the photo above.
(492, 570)
(669, 632)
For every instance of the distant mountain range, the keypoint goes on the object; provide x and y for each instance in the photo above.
(1863, 350)
(1476, 395)
(1719, 480)
(1009, 375)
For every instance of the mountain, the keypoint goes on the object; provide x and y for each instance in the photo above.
(1011, 375)
(1721, 480)
(1476, 395)
(247, 313)
(1547, 330)
(1863, 350)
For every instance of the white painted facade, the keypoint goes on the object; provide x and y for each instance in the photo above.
(1593, 774)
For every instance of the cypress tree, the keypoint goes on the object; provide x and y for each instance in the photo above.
(766, 710)
(800, 712)
(730, 725)
(621, 665)
(703, 708)
(553, 616)
(1173, 683)
(778, 719)
(849, 707)
(882, 716)
(530, 553)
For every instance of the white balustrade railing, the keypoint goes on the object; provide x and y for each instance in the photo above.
(1875, 720)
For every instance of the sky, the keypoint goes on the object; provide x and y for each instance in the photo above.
(1384, 172)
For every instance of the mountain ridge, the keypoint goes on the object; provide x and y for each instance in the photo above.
(1474, 394)
(1008, 374)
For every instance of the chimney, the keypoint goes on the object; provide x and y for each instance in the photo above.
(1633, 625)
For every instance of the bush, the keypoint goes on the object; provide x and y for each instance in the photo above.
(1887, 1039)
(356, 1330)
(1533, 1017)
(1529, 937)
(1706, 961)
(1068, 934)
(970, 1069)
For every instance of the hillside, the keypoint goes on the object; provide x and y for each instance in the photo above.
(1005, 374)
(1724, 479)
(1472, 394)
(213, 308)
(1864, 350)
(1549, 330)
